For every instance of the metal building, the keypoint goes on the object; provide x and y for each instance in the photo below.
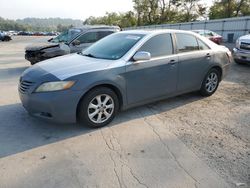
(237, 26)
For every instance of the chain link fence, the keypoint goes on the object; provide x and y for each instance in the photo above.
(230, 28)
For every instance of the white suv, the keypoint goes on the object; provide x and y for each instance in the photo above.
(241, 52)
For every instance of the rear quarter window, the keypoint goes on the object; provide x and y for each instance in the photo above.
(202, 45)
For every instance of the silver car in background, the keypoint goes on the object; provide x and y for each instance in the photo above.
(122, 70)
(241, 52)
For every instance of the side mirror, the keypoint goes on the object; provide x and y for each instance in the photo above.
(76, 43)
(142, 56)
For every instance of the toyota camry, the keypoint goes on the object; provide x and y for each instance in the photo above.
(123, 70)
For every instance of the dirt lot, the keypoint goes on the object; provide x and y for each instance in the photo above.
(217, 128)
(186, 137)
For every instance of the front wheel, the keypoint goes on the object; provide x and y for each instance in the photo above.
(98, 108)
(238, 61)
(210, 83)
(6, 38)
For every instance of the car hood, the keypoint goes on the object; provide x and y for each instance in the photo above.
(35, 47)
(67, 66)
(245, 38)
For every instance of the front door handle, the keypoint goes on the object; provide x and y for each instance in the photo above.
(172, 62)
(208, 55)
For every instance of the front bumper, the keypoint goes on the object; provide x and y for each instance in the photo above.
(57, 106)
(34, 57)
(241, 55)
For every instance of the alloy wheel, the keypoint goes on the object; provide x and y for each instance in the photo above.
(211, 82)
(100, 108)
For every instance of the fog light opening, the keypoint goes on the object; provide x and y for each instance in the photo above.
(46, 114)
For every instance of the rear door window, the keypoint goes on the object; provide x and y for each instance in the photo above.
(159, 45)
(89, 37)
(102, 34)
(186, 42)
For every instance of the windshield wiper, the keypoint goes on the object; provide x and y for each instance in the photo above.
(88, 55)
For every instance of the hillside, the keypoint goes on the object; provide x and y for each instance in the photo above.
(38, 24)
(49, 22)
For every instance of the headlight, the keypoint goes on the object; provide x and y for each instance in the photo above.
(238, 43)
(55, 86)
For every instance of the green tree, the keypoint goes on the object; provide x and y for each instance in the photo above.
(128, 19)
(229, 8)
(147, 11)
(61, 28)
(6, 25)
(167, 11)
(122, 19)
(190, 10)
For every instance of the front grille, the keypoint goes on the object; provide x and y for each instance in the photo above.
(32, 54)
(245, 46)
(24, 86)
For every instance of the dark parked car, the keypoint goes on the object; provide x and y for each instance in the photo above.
(39, 34)
(216, 38)
(70, 41)
(24, 33)
(123, 70)
(4, 37)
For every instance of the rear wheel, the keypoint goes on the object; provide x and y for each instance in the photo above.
(6, 38)
(210, 82)
(98, 108)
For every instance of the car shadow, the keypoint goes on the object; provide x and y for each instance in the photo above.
(20, 132)
(238, 73)
(12, 60)
(11, 73)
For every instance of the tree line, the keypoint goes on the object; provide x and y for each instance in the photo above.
(145, 12)
(38, 24)
(148, 12)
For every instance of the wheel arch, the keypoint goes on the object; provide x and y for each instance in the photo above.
(219, 69)
(113, 87)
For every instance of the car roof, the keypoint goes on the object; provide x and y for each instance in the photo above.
(198, 30)
(88, 27)
(149, 32)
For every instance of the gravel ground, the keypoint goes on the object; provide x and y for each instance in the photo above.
(216, 129)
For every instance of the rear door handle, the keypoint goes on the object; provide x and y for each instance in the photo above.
(208, 55)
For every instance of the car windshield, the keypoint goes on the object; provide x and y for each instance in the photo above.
(66, 36)
(113, 46)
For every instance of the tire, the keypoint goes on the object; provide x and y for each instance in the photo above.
(238, 62)
(210, 82)
(93, 114)
(33, 62)
(6, 38)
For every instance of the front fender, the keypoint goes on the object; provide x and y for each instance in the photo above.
(112, 78)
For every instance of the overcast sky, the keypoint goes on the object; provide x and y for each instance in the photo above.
(76, 9)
